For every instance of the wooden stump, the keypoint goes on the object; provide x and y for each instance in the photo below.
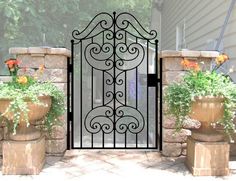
(207, 158)
(23, 157)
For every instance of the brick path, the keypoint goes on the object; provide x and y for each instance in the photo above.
(115, 165)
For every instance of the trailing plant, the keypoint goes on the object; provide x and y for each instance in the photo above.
(24, 88)
(197, 83)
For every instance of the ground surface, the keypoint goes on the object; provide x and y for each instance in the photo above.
(115, 165)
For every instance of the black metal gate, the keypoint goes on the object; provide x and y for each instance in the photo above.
(115, 86)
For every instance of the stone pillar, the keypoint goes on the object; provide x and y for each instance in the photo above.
(175, 144)
(55, 61)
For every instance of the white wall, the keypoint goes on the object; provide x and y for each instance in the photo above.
(204, 20)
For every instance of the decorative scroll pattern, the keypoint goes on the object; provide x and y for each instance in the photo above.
(114, 57)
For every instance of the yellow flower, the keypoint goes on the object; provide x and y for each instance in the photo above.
(221, 59)
(22, 79)
(41, 69)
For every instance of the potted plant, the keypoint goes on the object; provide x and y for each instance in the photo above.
(25, 99)
(206, 96)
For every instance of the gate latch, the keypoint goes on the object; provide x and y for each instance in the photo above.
(152, 80)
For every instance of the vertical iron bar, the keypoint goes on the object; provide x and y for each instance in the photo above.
(125, 75)
(137, 97)
(114, 73)
(136, 87)
(69, 111)
(147, 95)
(126, 139)
(156, 91)
(160, 104)
(92, 97)
(125, 88)
(81, 96)
(72, 93)
(103, 89)
(103, 140)
(92, 87)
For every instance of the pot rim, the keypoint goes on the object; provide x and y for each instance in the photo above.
(209, 98)
(27, 99)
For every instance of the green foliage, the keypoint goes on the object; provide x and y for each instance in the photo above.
(179, 96)
(19, 94)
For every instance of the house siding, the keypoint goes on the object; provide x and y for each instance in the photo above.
(203, 22)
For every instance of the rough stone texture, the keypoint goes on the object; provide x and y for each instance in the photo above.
(209, 54)
(172, 76)
(1, 134)
(62, 86)
(59, 51)
(171, 136)
(37, 50)
(207, 158)
(191, 124)
(1, 142)
(184, 149)
(173, 71)
(26, 71)
(18, 50)
(56, 146)
(188, 53)
(54, 75)
(168, 122)
(57, 132)
(173, 63)
(30, 161)
(233, 146)
(56, 61)
(171, 149)
(30, 62)
(170, 53)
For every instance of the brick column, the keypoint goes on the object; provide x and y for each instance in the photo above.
(175, 144)
(55, 61)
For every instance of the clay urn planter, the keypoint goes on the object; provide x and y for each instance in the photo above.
(36, 112)
(208, 110)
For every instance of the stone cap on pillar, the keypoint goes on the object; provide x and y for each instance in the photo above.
(189, 53)
(37, 51)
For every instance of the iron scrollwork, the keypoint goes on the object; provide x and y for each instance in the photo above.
(110, 57)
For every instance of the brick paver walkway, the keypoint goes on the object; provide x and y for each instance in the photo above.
(115, 165)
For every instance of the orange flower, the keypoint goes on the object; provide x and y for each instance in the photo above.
(190, 65)
(12, 62)
(22, 79)
(185, 63)
(41, 68)
(221, 59)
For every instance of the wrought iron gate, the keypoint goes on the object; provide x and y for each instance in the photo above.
(115, 87)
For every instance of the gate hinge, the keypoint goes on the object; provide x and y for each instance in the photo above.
(70, 116)
(70, 68)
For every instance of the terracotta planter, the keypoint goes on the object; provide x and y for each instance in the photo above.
(36, 112)
(207, 110)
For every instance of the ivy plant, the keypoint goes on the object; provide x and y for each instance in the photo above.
(197, 83)
(27, 88)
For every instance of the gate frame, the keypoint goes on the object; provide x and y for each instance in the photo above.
(153, 80)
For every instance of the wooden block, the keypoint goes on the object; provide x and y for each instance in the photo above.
(207, 158)
(23, 157)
